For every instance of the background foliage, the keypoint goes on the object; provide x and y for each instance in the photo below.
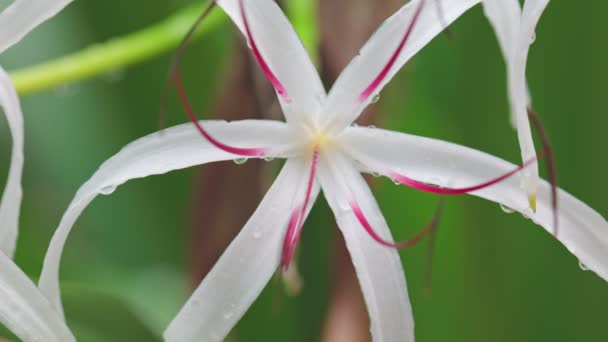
(497, 277)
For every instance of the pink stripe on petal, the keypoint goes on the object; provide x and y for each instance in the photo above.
(278, 86)
(454, 191)
(294, 230)
(291, 238)
(246, 152)
(384, 72)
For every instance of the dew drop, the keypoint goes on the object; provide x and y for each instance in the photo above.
(532, 37)
(355, 124)
(106, 190)
(583, 266)
(506, 209)
(396, 182)
(257, 234)
(371, 126)
(240, 161)
(268, 158)
(228, 315)
(376, 98)
(375, 174)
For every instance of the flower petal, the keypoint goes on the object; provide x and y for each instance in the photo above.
(343, 105)
(284, 54)
(25, 311)
(22, 16)
(11, 198)
(582, 230)
(504, 15)
(245, 267)
(378, 267)
(172, 149)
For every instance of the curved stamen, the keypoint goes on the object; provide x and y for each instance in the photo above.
(278, 86)
(175, 61)
(384, 72)
(297, 217)
(246, 152)
(397, 177)
(429, 228)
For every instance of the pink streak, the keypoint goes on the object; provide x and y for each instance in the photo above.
(294, 229)
(278, 86)
(247, 152)
(382, 75)
(454, 191)
(398, 245)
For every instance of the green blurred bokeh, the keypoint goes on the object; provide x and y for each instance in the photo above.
(497, 277)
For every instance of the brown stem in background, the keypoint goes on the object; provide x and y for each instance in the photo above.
(345, 26)
(228, 194)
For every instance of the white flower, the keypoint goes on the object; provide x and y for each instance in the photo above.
(515, 30)
(16, 21)
(323, 151)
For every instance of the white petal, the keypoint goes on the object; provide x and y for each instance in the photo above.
(11, 198)
(22, 16)
(25, 311)
(378, 267)
(282, 49)
(245, 267)
(504, 15)
(581, 229)
(172, 149)
(342, 106)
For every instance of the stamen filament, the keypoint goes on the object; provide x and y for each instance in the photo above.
(384, 72)
(278, 86)
(397, 177)
(429, 228)
(246, 152)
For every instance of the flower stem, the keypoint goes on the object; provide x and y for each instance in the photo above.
(114, 54)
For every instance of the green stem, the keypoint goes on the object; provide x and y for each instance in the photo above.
(114, 54)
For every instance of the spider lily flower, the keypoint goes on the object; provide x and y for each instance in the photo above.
(323, 152)
(16, 21)
(25, 311)
(515, 30)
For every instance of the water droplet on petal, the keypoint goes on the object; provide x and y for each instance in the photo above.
(376, 98)
(583, 266)
(240, 161)
(396, 182)
(268, 158)
(257, 234)
(106, 190)
(506, 209)
(371, 126)
(355, 124)
(532, 37)
(228, 315)
(375, 174)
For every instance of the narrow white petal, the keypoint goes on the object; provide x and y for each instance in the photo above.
(11, 198)
(245, 267)
(519, 96)
(282, 49)
(25, 311)
(504, 15)
(342, 106)
(378, 267)
(581, 229)
(22, 16)
(172, 149)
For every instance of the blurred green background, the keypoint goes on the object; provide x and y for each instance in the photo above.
(497, 277)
